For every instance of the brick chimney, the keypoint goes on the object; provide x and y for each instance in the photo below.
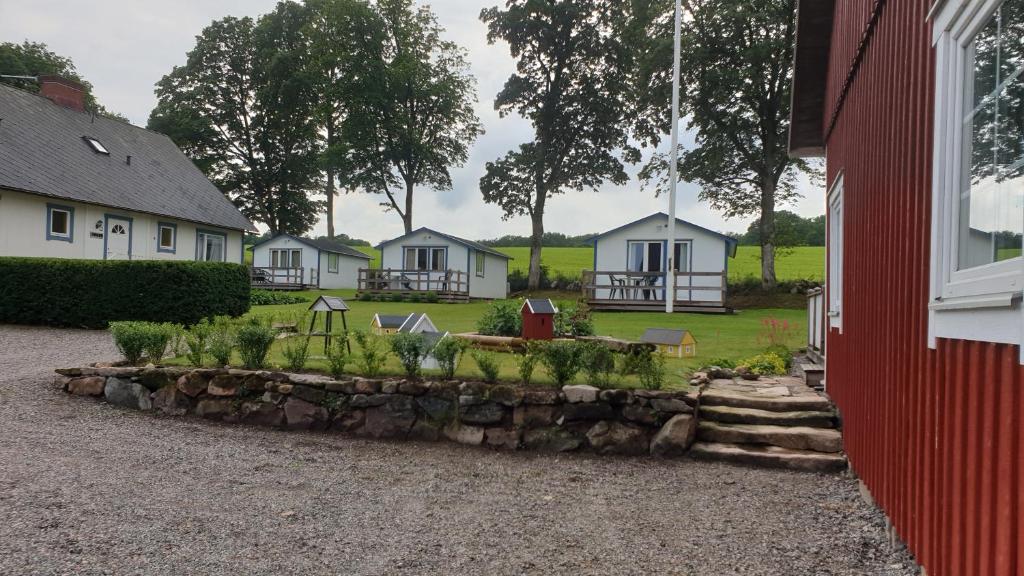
(62, 91)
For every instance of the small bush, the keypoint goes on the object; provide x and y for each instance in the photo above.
(720, 362)
(488, 364)
(254, 339)
(766, 364)
(373, 353)
(131, 339)
(195, 340)
(414, 297)
(365, 297)
(260, 297)
(410, 350)
(430, 297)
(782, 351)
(157, 338)
(562, 360)
(651, 371)
(573, 320)
(337, 355)
(502, 318)
(447, 352)
(599, 363)
(221, 341)
(296, 352)
(527, 363)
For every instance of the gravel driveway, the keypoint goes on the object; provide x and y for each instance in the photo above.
(86, 488)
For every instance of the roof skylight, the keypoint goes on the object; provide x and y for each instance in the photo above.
(96, 145)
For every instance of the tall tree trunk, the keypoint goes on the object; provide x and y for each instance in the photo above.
(533, 282)
(767, 226)
(407, 217)
(329, 190)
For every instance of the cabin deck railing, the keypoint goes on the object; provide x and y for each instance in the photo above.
(640, 288)
(816, 322)
(276, 277)
(398, 280)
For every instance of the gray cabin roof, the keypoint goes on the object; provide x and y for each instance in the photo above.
(43, 151)
(410, 321)
(663, 336)
(730, 242)
(329, 304)
(391, 321)
(539, 306)
(468, 243)
(324, 244)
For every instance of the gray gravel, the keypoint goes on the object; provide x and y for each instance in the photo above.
(87, 488)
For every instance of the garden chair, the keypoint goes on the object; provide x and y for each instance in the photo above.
(621, 286)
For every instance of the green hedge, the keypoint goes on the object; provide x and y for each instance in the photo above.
(91, 293)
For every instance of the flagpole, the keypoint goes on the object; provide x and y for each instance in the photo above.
(670, 275)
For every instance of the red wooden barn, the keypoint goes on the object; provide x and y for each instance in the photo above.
(538, 319)
(916, 106)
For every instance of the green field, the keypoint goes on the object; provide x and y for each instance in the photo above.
(734, 337)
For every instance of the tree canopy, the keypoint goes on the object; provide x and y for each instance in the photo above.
(790, 230)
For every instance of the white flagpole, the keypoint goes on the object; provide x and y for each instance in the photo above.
(670, 275)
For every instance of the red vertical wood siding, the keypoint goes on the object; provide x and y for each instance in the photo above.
(936, 434)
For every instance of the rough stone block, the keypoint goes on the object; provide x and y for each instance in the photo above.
(262, 414)
(465, 434)
(126, 393)
(223, 385)
(87, 385)
(540, 396)
(365, 386)
(214, 408)
(675, 437)
(302, 415)
(672, 405)
(349, 421)
(171, 401)
(506, 395)
(436, 408)
(505, 438)
(535, 415)
(587, 411)
(616, 396)
(309, 394)
(577, 393)
(551, 440)
(618, 438)
(640, 414)
(192, 384)
(368, 401)
(486, 413)
(392, 419)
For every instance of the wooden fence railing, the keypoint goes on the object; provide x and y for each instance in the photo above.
(629, 286)
(395, 280)
(816, 322)
(277, 277)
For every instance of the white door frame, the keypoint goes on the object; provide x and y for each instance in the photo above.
(107, 235)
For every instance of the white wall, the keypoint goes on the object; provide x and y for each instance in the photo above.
(310, 255)
(494, 283)
(707, 253)
(347, 275)
(460, 257)
(23, 231)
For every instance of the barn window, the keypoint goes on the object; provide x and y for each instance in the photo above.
(835, 254)
(978, 174)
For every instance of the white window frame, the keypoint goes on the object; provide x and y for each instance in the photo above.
(835, 244)
(68, 234)
(332, 262)
(160, 246)
(983, 302)
(201, 254)
(481, 260)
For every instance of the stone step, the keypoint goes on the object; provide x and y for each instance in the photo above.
(731, 415)
(799, 403)
(793, 437)
(769, 456)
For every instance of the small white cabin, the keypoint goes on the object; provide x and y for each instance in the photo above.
(630, 264)
(428, 261)
(287, 261)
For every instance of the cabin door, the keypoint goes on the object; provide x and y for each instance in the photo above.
(118, 238)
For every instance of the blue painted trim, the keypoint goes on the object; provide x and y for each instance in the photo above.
(241, 251)
(595, 255)
(405, 265)
(469, 277)
(211, 233)
(174, 237)
(317, 269)
(106, 231)
(70, 238)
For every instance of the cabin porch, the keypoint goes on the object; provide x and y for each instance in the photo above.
(645, 291)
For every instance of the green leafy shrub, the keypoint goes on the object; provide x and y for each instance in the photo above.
(527, 363)
(414, 297)
(502, 318)
(766, 364)
(94, 293)
(260, 297)
(131, 339)
(365, 297)
(337, 355)
(157, 339)
(782, 351)
(254, 339)
(720, 362)
(195, 341)
(296, 352)
(651, 370)
(598, 362)
(410, 350)
(373, 353)
(431, 297)
(488, 364)
(562, 360)
(221, 341)
(573, 320)
(447, 352)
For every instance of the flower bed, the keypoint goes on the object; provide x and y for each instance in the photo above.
(577, 417)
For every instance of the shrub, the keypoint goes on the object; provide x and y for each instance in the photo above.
(651, 370)
(573, 320)
(430, 296)
(410, 350)
(766, 364)
(221, 341)
(254, 339)
(337, 355)
(130, 338)
(296, 352)
(365, 297)
(720, 362)
(562, 360)
(373, 353)
(782, 351)
(488, 364)
(447, 352)
(414, 297)
(502, 318)
(195, 340)
(260, 297)
(527, 363)
(599, 363)
(157, 338)
(94, 293)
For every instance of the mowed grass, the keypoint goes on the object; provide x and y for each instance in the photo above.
(733, 337)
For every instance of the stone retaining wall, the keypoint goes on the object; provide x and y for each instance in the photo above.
(578, 417)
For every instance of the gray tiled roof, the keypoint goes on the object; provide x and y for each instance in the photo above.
(322, 244)
(540, 306)
(468, 243)
(42, 152)
(391, 321)
(663, 336)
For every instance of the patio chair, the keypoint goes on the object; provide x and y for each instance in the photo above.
(621, 286)
(447, 280)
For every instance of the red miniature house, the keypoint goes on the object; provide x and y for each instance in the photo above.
(538, 319)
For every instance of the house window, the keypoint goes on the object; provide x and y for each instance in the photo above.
(425, 258)
(96, 146)
(210, 246)
(60, 223)
(835, 254)
(644, 256)
(167, 237)
(281, 258)
(480, 259)
(681, 256)
(332, 263)
(978, 176)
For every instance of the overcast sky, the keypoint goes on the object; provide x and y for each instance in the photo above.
(124, 46)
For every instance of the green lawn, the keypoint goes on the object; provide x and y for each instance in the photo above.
(734, 337)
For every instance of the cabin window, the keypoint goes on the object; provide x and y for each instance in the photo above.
(332, 263)
(978, 172)
(644, 256)
(60, 222)
(425, 258)
(285, 258)
(167, 237)
(835, 254)
(210, 246)
(480, 259)
(681, 256)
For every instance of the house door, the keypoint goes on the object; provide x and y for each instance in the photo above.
(118, 239)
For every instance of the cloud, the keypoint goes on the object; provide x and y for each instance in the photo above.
(124, 47)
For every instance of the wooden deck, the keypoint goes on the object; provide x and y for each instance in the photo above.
(283, 278)
(626, 291)
(448, 285)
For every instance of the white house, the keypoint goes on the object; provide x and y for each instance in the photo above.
(323, 263)
(76, 185)
(630, 264)
(426, 260)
